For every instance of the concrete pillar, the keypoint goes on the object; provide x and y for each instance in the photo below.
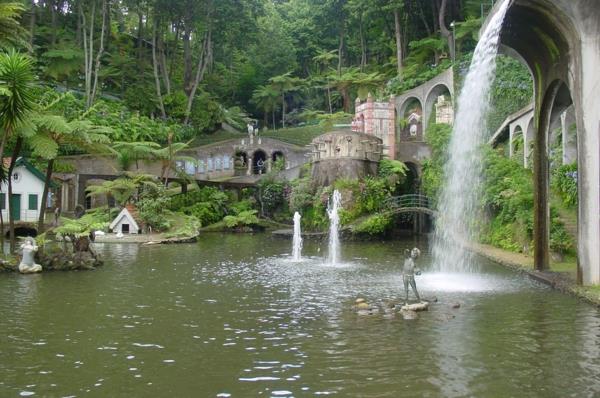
(511, 133)
(541, 179)
(587, 104)
(569, 138)
(528, 138)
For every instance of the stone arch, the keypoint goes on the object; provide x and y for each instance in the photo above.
(240, 161)
(562, 47)
(431, 98)
(412, 183)
(259, 162)
(411, 129)
(23, 230)
(517, 140)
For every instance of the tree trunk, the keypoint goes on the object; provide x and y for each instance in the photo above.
(32, 24)
(398, 41)
(346, 99)
(444, 30)
(140, 34)
(99, 55)
(155, 69)
(341, 51)
(363, 45)
(187, 61)
(11, 221)
(283, 110)
(53, 23)
(273, 116)
(163, 64)
(88, 48)
(45, 196)
(203, 61)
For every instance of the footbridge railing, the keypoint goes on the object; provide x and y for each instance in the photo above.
(410, 203)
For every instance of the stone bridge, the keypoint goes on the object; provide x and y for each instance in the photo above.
(520, 124)
(426, 95)
(559, 41)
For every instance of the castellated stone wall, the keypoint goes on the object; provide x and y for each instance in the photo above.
(345, 154)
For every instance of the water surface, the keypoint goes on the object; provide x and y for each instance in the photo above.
(234, 316)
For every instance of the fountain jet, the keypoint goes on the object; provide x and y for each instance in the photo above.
(297, 243)
(334, 223)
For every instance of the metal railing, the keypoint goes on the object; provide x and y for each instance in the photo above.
(409, 201)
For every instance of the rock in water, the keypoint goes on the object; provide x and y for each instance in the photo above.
(362, 306)
(359, 300)
(409, 314)
(422, 306)
(455, 305)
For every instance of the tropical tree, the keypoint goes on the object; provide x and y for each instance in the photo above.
(136, 151)
(53, 132)
(170, 155)
(283, 84)
(12, 34)
(16, 101)
(266, 98)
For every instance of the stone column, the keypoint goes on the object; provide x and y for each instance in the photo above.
(569, 139)
(511, 137)
(587, 105)
(541, 178)
(249, 172)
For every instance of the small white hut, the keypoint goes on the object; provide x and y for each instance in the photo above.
(126, 222)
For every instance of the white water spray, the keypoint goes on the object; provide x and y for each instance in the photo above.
(458, 204)
(334, 223)
(297, 243)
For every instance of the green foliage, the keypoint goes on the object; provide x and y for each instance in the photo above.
(271, 195)
(188, 227)
(246, 218)
(564, 180)
(151, 207)
(376, 224)
(207, 204)
(512, 90)
(438, 138)
(560, 241)
(80, 227)
(392, 170)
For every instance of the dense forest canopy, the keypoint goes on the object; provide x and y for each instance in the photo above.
(201, 62)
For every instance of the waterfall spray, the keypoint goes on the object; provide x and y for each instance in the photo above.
(458, 202)
(297, 244)
(334, 223)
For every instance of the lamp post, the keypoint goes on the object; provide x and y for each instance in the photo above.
(453, 26)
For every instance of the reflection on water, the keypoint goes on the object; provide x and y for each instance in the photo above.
(234, 316)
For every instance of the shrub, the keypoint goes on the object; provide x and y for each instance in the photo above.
(246, 218)
(565, 182)
(375, 225)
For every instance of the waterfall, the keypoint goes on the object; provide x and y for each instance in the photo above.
(334, 224)
(297, 244)
(459, 198)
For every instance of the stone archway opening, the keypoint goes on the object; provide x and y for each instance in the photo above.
(240, 162)
(259, 162)
(278, 161)
(439, 106)
(411, 120)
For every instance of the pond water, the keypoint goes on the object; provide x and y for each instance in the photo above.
(232, 316)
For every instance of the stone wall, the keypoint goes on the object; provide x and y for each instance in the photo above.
(345, 154)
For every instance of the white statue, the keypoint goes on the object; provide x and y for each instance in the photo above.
(28, 265)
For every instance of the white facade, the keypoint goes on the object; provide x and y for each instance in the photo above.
(125, 223)
(27, 195)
